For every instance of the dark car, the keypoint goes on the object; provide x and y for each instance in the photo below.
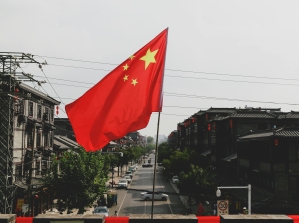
(147, 165)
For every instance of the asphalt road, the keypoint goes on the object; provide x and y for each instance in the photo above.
(129, 201)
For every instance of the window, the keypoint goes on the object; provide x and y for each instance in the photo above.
(46, 114)
(30, 109)
(51, 140)
(38, 139)
(46, 140)
(52, 115)
(19, 107)
(39, 111)
(29, 139)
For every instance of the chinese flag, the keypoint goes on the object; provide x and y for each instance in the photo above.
(123, 100)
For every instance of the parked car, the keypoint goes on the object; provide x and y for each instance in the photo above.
(175, 179)
(101, 210)
(122, 183)
(132, 168)
(128, 178)
(130, 173)
(147, 165)
(158, 196)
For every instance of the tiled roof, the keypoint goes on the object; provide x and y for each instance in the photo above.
(253, 114)
(200, 112)
(257, 135)
(221, 110)
(291, 114)
(219, 118)
(282, 132)
(288, 133)
(64, 143)
(230, 157)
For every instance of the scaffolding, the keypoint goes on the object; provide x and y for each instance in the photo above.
(9, 80)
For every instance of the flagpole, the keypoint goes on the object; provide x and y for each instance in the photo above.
(155, 166)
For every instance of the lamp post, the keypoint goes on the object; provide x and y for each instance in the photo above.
(218, 193)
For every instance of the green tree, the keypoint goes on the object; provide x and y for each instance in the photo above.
(150, 140)
(76, 179)
(163, 152)
(196, 182)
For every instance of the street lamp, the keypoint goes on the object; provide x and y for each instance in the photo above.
(218, 193)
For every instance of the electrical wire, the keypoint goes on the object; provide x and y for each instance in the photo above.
(175, 70)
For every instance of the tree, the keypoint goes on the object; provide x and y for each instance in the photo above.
(76, 179)
(150, 140)
(196, 181)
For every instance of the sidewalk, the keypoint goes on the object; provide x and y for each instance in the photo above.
(191, 208)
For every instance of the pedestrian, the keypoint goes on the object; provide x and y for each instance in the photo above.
(115, 214)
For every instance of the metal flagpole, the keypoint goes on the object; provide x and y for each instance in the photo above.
(158, 125)
(155, 167)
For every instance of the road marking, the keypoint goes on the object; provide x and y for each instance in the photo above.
(168, 200)
(122, 202)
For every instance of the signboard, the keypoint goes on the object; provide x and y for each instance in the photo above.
(222, 207)
(20, 203)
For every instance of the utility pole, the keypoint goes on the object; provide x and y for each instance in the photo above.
(9, 81)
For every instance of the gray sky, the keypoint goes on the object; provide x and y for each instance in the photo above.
(240, 52)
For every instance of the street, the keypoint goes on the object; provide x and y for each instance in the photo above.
(129, 201)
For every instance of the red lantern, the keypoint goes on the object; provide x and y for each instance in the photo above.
(231, 123)
(16, 92)
(276, 142)
(207, 116)
(57, 110)
(209, 127)
(36, 196)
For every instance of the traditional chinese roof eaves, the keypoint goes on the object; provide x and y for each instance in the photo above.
(200, 112)
(219, 118)
(289, 115)
(282, 132)
(257, 135)
(221, 110)
(38, 93)
(287, 133)
(253, 115)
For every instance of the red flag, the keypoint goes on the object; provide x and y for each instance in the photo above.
(123, 100)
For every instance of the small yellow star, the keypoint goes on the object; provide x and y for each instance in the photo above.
(126, 77)
(131, 57)
(134, 81)
(149, 57)
(126, 67)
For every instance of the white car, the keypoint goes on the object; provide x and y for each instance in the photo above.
(130, 173)
(158, 196)
(175, 179)
(122, 183)
(101, 210)
(128, 178)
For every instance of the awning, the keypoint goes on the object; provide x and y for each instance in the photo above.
(205, 153)
(230, 157)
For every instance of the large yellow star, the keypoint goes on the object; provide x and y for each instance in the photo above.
(126, 67)
(126, 77)
(134, 81)
(149, 57)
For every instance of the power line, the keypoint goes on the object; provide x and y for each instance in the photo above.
(175, 70)
(226, 99)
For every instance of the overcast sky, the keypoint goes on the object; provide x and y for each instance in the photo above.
(219, 54)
